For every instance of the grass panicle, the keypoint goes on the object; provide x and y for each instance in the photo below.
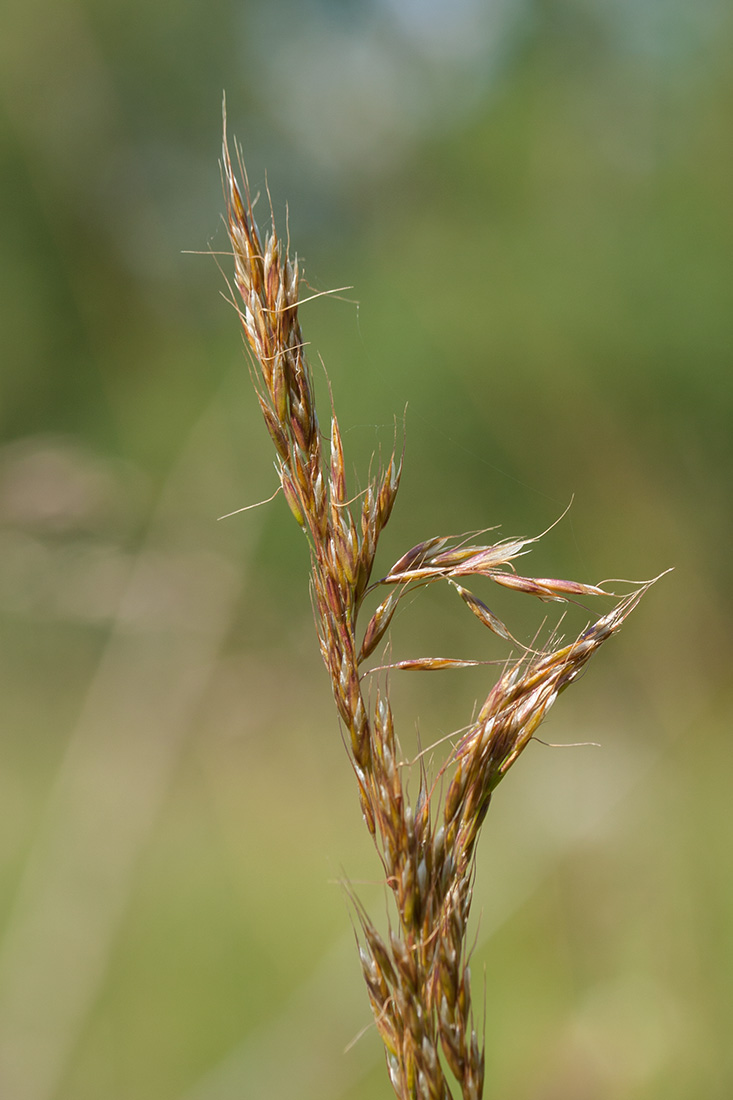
(417, 975)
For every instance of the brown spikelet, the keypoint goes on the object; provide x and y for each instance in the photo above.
(417, 976)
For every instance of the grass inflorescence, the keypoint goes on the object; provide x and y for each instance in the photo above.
(417, 973)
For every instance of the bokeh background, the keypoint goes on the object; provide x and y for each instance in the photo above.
(531, 201)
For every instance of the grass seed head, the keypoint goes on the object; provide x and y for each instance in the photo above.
(417, 979)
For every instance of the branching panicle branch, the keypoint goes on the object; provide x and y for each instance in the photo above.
(417, 977)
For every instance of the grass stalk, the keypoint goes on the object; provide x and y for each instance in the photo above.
(417, 974)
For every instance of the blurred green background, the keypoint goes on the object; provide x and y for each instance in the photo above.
(532, 202)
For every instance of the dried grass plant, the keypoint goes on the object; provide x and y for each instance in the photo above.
(417, 973)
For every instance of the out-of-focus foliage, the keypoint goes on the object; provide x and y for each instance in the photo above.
(531, 201)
